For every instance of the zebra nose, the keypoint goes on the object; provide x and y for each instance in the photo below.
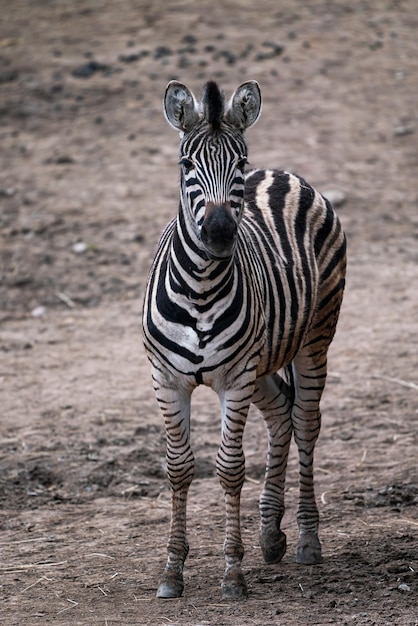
(219, 229)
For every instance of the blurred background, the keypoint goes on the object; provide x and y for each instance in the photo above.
(88, 165)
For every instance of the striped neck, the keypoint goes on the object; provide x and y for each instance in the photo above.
(191, 272)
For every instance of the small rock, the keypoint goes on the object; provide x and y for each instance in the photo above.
(183, 62)
(60, 159)
(375, 45)
(400, 131)
(88, 69)
(228, 56)
(335, 196)
(275, 49)
(189, 39)
(130, 58)
(8, 192)
(404, 587)
(57, 88)
(162, 51)
(30, 198)
(80, 247)
(8, 76)
(64, 159)
(39, 311)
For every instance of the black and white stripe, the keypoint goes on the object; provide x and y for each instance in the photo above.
(247, 281)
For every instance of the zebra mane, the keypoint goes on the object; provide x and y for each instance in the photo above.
(213, 103)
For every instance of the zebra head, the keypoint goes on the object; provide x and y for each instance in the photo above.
(213, 154)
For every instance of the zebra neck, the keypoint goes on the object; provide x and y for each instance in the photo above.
(190, 272)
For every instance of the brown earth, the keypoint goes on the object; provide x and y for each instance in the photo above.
(87, 159)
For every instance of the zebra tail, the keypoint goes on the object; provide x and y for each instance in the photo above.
(285, 382)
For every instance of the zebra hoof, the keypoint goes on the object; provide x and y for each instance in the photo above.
(171, 585)
(309, 549)
(234, 586)
(273, 545)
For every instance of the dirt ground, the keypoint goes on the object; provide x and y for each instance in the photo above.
(88, 179)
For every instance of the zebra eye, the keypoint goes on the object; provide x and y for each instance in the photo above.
(242, 163)
(187, 164)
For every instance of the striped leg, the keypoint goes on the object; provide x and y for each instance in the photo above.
(175, 406)
(310, 375)
(230, 465)
(273, 398)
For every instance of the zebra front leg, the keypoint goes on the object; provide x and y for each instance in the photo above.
(230, 466)
(274, 399)
(310, 375)
(175, 407)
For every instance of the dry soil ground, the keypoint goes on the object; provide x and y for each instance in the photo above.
(88, 179)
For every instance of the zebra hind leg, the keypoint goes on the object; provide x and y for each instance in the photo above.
(310, 373)
(273, 397)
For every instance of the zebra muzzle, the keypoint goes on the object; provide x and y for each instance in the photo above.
(219, 230)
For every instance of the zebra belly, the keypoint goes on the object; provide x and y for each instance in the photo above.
(280, 352)
(288, 313)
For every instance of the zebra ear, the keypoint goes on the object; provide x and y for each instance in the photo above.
(244, 108)
(180, 106)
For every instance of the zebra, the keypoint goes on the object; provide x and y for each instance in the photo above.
(243, 296)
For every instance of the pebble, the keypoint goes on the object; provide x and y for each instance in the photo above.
(404, 587)
(8, 76)
(88, 69)
(189, 39)
(8, 192)
(335, 196)
(30, 198)
(275, 49)
(136, 56)
(162, 51)
(400, 131)
(39, 311)
(80, 247)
